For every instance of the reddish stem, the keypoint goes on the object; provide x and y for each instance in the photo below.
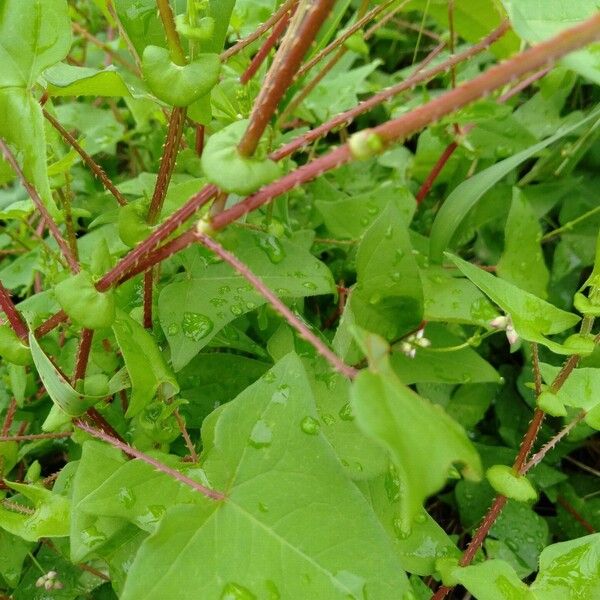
(130, 451)
(83, 355)
(52, 323)
(335, 361)
(415, 120)
(199, 145)
(35, 436)
(9, 418)
(186, 436)
(101, 423)
(148, 283)
(571, 510)
(264, 50)
(12, 314)
(277, 15)
(87, 159)
(62, 244)
(300, 36)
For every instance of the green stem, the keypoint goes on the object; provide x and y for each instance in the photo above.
(173, 41)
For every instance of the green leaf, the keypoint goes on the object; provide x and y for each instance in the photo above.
(34, 34)
(532, 317)
(453, 299)
(79, 298)
(466, 195)
(12, 348)
(508, 483)
(70, 401)
(535, 22)
(22, 127)
(423, 441)
(13, 552)
(194, 310)
(427, 541)
(224, 166)
(220, 11)
(90, 533)
(569, 569)
(179, 85)
(388, 296)
(490, 580)
(522, 261)
(145, 364)
(69, 80)
(50, 516)
(350, 216)
(579, 390)
(138, 493)
(287, 494)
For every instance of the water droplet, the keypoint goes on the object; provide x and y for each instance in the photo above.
(281, 395)
(261, 435)
(310, 425)
(346, 412)
(375, 298)
(420, 518)
(218, 301)
(263, 507)
(399, 530)
(399, 255)
(196, 326)
(372, 209)
(328, 419)
(235, 591)
(151, 517)
(250, 305)
(92, 536)
(282, 292)
(236, 310)
(272, 248)
(126, 497)
(224, 289)
(309, 285)
(365, 221)
(173, 329)
(269, 377)
(392, 484)
(514, 546)
(396, 276)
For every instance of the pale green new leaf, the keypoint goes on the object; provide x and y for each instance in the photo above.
(423, 441)
(194, 310)
(292, 524)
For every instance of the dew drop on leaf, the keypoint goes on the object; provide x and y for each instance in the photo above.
(346, 412)
(126, 497)
(224, 289)
(272, 248)
(401, 534)
(261, 435)
(235, 591)
(310, 425)
(309, 285)
(173, 329)
(236, 309)
(92, 536)
(196, 326)
(281, 395)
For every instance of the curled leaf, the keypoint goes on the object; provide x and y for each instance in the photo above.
(508, 483)
(224, 166)
(12, 348)
(179, 85)
(84, 304)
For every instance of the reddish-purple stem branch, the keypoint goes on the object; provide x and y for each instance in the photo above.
(133, 452)
(12, 314)
(96, 169)
(83, 355)
(335, 361)
(35, 197)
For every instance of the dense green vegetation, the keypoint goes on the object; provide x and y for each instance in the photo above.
(298, 299)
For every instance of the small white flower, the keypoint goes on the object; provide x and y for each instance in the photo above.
(505, 323)
(412, 342)
(40, 581)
